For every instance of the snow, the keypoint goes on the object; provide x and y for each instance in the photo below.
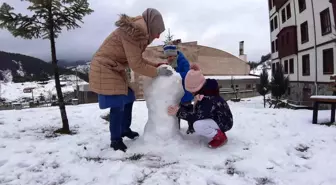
(324, 97)
(14, 91)
(7, 74)
(266, 146)
(160, 93)
(245, 77)
(81, 68)
(20, 71)
(258, 70)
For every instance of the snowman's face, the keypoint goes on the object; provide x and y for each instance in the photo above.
(166, 88)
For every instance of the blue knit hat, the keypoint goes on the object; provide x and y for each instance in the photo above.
(170, 50)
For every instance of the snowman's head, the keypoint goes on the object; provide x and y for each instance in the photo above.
(168, 87)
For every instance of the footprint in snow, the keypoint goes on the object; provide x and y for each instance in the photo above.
(3, 162)
(23, 165)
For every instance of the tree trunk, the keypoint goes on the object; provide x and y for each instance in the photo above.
(65, 122)
(264, 101)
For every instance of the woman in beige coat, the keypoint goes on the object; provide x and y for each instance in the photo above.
(121, 50)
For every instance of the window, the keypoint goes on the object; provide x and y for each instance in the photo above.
(305, 65)
(286, 66)
(273, 48)
(328, 61)
(286, 13)
(276, 45)
(304, 32)
(291, 66)
(275, 20)
(302, 5)
(270, 4)
(288, 10)
(274, 23)
(277, 65)
(273, 68)
(325, 22)
(248, 86)
(283, 15)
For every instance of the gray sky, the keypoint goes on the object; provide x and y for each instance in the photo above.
(215, 23)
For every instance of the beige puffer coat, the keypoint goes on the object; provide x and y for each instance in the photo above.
(123, 48)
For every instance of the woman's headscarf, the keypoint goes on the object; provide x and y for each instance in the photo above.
(154, 21)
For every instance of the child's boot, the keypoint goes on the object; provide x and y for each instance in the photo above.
(218, 140)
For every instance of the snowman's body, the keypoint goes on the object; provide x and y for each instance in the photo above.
(160, 93)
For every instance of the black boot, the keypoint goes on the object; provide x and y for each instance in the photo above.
(131, 135)
(191, 129)
(118, 145)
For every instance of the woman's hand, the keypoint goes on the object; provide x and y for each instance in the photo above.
(164, 71)
(172, 110)
(161, 63)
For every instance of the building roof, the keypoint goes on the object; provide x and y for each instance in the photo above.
(211, 60)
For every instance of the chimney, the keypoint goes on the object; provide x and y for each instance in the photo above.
(242, 56)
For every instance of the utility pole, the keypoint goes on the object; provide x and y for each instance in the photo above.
(32, 91)
(0, 89)
(77, 87)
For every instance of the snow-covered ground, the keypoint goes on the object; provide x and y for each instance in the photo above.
(14, 91)
(266, 146)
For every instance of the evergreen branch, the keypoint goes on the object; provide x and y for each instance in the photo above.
(65, 13)
(19, 25)
(68, 16)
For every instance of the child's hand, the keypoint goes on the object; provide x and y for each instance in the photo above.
(172, 110)
(195, 67)
(199, 97)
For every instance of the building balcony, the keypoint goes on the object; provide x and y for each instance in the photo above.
(279, 3)
(287, 39)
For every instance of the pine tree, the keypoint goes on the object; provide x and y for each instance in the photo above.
(279, 83)
(169, 38)
(48, 19)
(264, 86)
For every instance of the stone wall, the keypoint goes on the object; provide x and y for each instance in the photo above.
(300, 92)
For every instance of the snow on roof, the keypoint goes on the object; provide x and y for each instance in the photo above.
(323, 97)
(244, 77)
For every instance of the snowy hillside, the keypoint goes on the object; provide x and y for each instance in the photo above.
(81, 68)
(265, 147)
(14, 91)
(258, 70)
(27, 68)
